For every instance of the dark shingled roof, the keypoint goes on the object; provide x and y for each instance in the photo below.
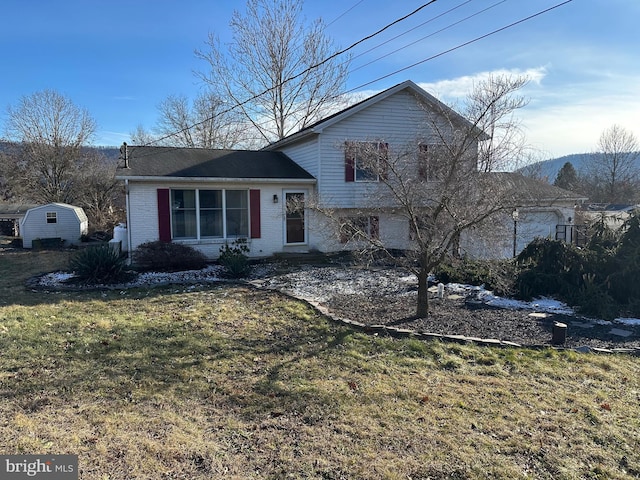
(533, 191)
(206, 163)
(15, 208)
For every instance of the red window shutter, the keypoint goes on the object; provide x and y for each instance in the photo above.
(349, 164)
(254, 209)
(374, 228)
(164, 215)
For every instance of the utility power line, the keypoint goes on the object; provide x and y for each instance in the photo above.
(432, 57)
(451, 25)
(344, 13)
(457, 47)
(287, 80)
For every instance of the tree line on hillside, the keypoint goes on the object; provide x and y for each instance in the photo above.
(611, 174)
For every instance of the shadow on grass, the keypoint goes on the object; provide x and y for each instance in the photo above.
(255, 367)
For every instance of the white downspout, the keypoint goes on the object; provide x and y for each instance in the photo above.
(126, 189)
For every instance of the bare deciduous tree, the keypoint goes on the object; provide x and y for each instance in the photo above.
(492, 105)
(48, 160)
(275, 68)
(207, 122)
(49, 131)
(442, 184)
(613, 171)
(98, 192)
(141, 136)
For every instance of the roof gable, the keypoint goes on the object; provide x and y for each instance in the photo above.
(170, 162)
(422, 96)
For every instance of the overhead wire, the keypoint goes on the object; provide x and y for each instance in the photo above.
(298, 75)
(451, 25)
(343, 13)
(457, 47)
(413, 28)
(413, 65)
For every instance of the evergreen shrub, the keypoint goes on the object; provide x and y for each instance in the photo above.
(234, 258)
(495, 275)
(168, 257)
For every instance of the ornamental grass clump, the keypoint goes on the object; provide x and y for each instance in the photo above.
(99, 265)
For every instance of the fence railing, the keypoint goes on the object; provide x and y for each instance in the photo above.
(575, 234)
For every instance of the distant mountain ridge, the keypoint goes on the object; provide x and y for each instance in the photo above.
(108, 151)
(548, 169)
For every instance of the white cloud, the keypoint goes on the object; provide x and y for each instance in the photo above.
(566, 114)
(459, 87)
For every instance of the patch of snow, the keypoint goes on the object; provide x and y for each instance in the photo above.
(211, 273)
(487, 297)
(55, 278)
(628, 321)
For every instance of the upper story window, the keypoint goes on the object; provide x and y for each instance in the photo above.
(197, 214)
(52, 217)
(365, 161)
(432, 161)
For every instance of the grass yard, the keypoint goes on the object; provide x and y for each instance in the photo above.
(230, 382)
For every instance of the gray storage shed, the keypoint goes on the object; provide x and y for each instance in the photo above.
(54, 221)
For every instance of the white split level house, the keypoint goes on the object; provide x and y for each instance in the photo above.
(207, 198)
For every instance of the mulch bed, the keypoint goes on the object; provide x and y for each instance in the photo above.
(459, 317)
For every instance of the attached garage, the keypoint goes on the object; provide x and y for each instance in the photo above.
(52, 222)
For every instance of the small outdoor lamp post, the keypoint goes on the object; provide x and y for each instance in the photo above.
(515, 215)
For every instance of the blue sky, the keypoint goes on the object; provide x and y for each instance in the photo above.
(119, 59)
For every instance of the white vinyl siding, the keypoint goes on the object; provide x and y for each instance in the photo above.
(398, 120)
(306, 155)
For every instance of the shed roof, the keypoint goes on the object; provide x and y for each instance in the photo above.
(78, 211)
(171, 162)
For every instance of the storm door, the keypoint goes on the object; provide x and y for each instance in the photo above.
(295, 231)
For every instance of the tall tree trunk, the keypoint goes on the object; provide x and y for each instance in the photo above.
(422, 308)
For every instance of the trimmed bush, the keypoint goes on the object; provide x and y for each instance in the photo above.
(168, 257)
(100, 265)
(234, 258)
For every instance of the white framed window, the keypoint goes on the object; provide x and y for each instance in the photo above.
(204, 214)
(365, 161)
(52, 217)
(359, 228)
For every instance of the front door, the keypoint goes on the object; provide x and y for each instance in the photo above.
(295, 221)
